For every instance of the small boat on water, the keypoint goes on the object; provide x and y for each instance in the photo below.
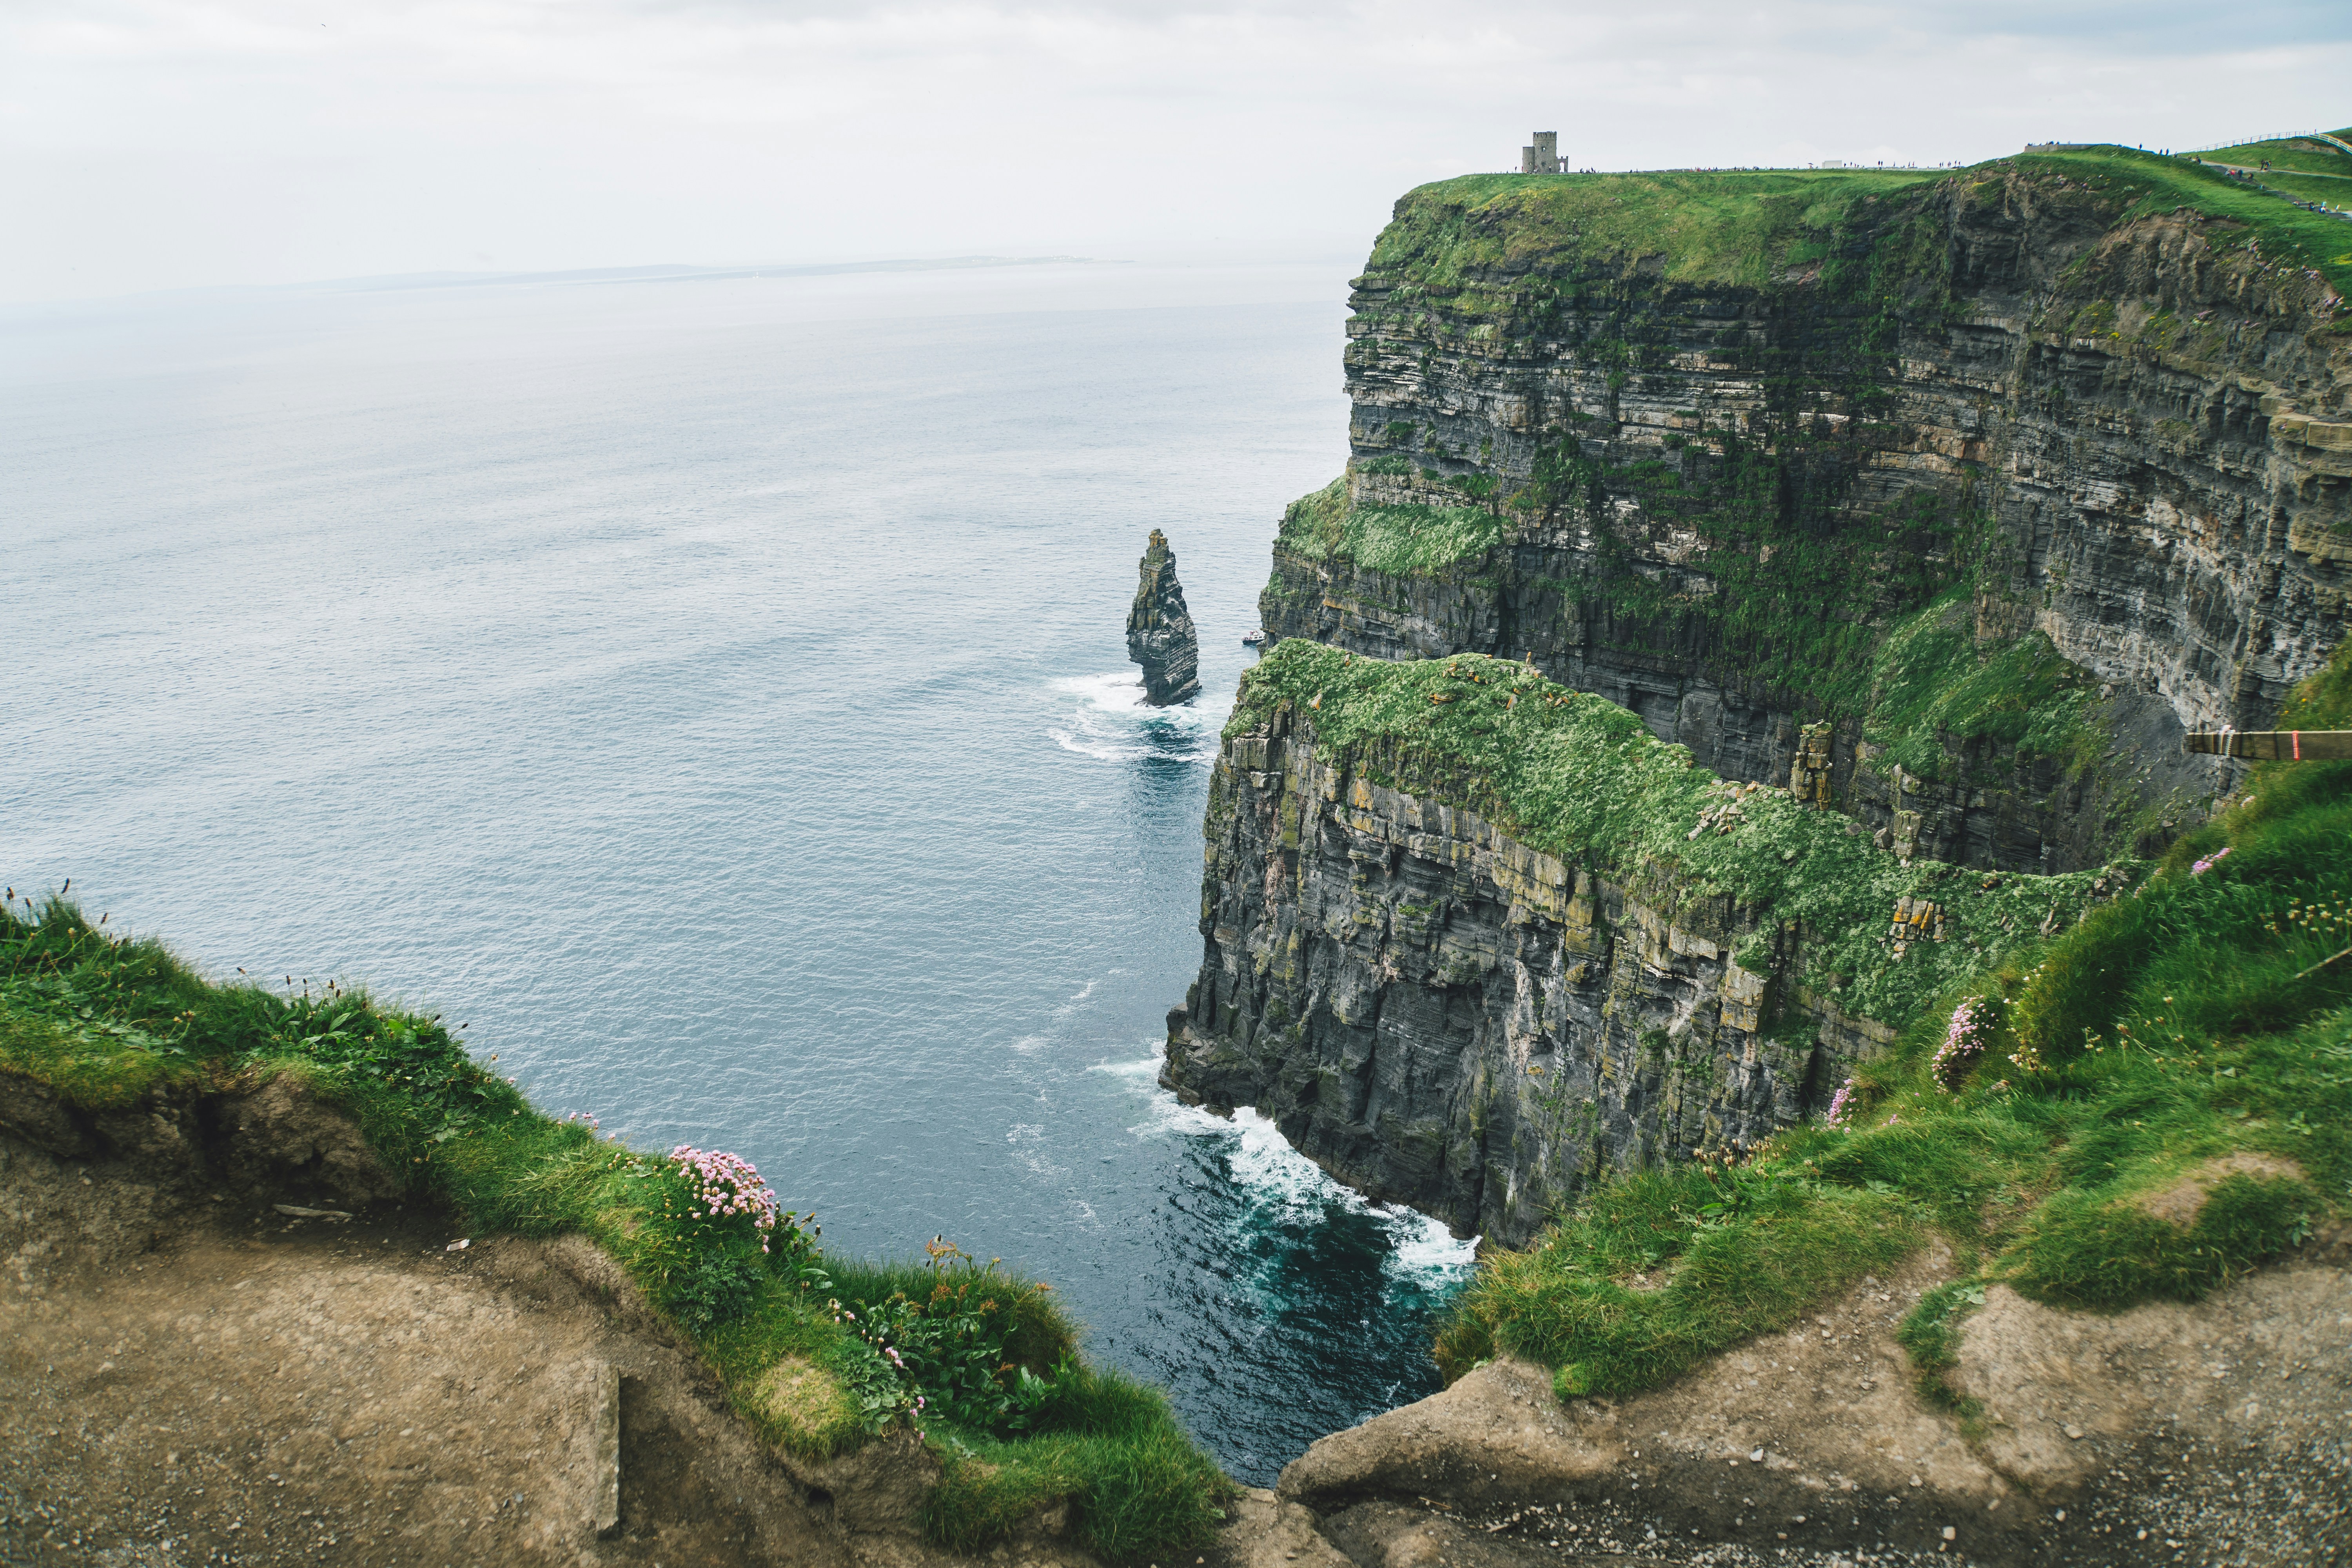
(1254, 639)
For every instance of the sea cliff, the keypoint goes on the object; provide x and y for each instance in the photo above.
(1474, 940)
(1719, 830)
(1997, 480)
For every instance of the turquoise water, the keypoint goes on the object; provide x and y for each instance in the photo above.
(714, 696)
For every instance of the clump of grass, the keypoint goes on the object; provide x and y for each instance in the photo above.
(2192, 1022)
(105, 1021)
(1116, 1457)
(1662, 1269)
(1930, 1336)
(2082, 1250)
(1933, 682)
(1401, 540)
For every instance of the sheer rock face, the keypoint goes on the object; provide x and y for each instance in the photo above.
(2140, 433)
(1160, 634)
(1440, 1015)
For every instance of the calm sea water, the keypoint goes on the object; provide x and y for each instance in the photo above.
(713, 694)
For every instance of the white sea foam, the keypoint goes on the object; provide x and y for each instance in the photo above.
(1145, 1071)
(1104, 717)
(1428, 1256)
(1284, 1185)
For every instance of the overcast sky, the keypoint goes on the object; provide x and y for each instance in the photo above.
(165, 143)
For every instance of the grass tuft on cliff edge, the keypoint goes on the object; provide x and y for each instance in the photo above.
(2143, 1105)
(104, 1022)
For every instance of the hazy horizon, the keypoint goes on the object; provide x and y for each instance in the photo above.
(159, 145)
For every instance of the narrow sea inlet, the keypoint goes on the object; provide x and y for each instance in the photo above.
(713, 695)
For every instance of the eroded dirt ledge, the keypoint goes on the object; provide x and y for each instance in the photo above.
(2208, 1434)
(193, 1374)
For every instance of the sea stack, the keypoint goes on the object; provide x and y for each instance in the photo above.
(1160, 634)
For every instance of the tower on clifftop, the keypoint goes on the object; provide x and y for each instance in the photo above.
(1543, 158)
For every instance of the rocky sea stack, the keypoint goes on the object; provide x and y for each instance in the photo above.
(1160, 634)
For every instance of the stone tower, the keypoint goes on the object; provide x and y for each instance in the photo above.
(1160, 634)
(1543, 158)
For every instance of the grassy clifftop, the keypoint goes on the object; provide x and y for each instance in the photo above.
(1751, 226)
(818, 1353)
(2144, 1105)
(1744, 226)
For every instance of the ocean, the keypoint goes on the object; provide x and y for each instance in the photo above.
(712, 694)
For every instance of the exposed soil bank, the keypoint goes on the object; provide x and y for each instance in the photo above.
(2208, 1434)
(192, 1375)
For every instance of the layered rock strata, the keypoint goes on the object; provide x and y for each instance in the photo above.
(2132, 439)
(1160, 634)
(1440, 1014)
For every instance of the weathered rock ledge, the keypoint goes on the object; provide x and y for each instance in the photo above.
(2204, 1434)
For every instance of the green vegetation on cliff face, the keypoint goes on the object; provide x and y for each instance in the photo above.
(1600, 278)
(1775, 447)
(1402, 541)
(2144, 1105)
(104, 1023)
(2143, 184)
(1932, 682)
(1583, 779)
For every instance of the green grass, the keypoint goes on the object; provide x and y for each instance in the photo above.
(2334, 189)
(104, 1021)
(1750, 227)
(1402, 541)
(1743, 226)
(2133, 184)
(1578, 777)
(2180, 1026)
(2293, 153)
(1931, 681)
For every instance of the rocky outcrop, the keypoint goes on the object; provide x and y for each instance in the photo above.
(2212, 1428)
(1160, 634)
(1442, 1014)
(1708, 497)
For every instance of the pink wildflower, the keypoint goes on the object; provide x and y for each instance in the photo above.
(1964, 1042)
(2209, 861)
